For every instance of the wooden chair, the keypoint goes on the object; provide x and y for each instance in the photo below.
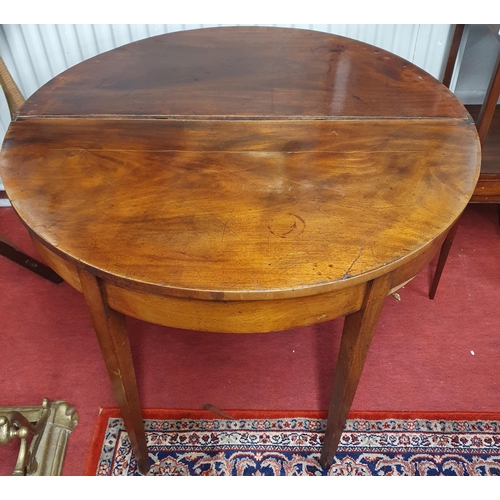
(7, 248)
(483, 125)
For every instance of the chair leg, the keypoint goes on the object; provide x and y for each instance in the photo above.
(9, 250)
(443, 256)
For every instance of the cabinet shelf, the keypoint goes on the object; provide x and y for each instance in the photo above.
(488, 186)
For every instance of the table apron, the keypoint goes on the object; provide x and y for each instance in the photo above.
(238, 316)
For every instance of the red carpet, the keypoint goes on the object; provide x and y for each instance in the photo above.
(427, 355)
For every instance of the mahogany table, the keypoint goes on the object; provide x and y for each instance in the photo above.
(240, 180)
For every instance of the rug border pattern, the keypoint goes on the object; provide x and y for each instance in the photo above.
(360, 424)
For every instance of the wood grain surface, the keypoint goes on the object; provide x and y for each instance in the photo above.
(225, 209)
(245, 72)
(324, 161)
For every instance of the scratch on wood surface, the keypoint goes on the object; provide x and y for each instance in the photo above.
(224, 230)
(102, 211)
(327, 250)
(235, 233)
(226, 226)
(347, 275)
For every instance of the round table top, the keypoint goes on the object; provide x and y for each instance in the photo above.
(241, 163)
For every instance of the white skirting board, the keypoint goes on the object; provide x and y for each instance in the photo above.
(4, 202)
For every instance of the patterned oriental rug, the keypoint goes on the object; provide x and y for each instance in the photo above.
(250, 443)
